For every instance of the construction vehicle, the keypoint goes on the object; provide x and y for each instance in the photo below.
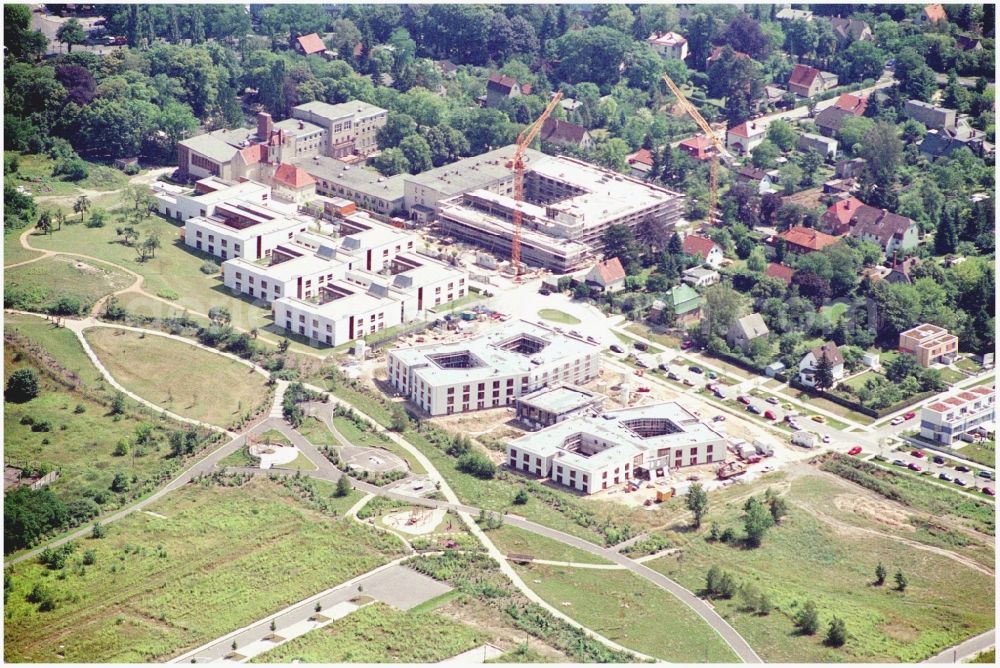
(524, 140)
(720, 148)
(730, 470)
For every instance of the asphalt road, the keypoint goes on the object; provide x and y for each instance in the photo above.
(967, 649)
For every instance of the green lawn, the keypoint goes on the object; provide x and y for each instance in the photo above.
(141, 305)
(300, 463)
(511, 540)
(36, 166)
(358, 437)
(240, 458)
(81, 443)
(858, 381)
(832, 407)
(219, 560)
(969, 364)
(176, 267)
(179, 377)
(984, 453)
(316, 432)
(273, 436)
(630, 611)
(37, 286)
(952, 376)
(833, 312)
(807, 559)
(13, 251)
(58, 342)
(645, 332)
(379, 633)
(555, 315)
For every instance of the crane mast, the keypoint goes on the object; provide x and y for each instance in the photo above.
(720, 148)
(524, 140)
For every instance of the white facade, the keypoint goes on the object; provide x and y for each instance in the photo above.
(219, 238)
(361, 302)
(669, 45)
(491, 370)
(807, 369)
(592, 453)
(947, 420)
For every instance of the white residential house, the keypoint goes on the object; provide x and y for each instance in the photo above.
(699, 277)
(704, 249)
(669, 45)
(608, 275)
(807, 367)
(949, 419)
(745, 330)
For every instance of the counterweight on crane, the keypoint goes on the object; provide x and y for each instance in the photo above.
(524, 140)
(720, 148)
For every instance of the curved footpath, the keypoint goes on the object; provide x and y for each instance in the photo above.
(326, 470)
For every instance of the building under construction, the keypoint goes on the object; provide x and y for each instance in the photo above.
(568, 205)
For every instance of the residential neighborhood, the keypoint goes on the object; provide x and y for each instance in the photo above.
(458, 333)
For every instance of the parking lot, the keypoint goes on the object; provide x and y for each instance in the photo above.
(934, 464)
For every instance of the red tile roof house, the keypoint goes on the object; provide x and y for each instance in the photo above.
(310, 44)
(641, 162)
(745, 137)
(931, 14)
(705, 249)
(806, 240)
(698, 147)
(807, 81)
(830, 119)
(889, 230)
(293, 184)
(609, 275)
(500, 86)
(836, 220)
(781, 272)
(564, 133)
(717, 53)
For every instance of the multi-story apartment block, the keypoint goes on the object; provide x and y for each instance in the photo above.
(929, 344)
(949, 419)
(491, 370)
(592, 453)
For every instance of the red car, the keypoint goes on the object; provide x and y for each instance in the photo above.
(643, 389)
(770, 415)
(909, 416)
(914, 467)
(743, 400)
(856, 450)
(686, 345)
(918, 454)
(989, 491)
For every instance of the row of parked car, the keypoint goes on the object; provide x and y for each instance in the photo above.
(944, 475)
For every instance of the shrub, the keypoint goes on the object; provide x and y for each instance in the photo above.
(97, 532)
(90, 557)
(120, 483)
(167, 293)
(121, 449)
(343, 486)
(73, 168)
(807, 619)
(209, 267)
(478, 465)
(42, 597)
(79, 409)
(22, 386)
(521, 497)
(67, 305)
(131, 169)
(41, 426)
(836, 635)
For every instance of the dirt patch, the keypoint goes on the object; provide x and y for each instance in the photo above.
(873, 509)
(901, 632)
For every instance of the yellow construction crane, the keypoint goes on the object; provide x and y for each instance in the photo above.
(720, 148)
(524, 140)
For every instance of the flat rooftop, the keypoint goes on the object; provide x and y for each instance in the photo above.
(359, 179)
(560, 399)
(475, 172)
(358, 302)
(500, 350)
(342, 110)
(307, 264)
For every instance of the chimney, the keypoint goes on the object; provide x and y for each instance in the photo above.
(264, 154)
(264, 125)
(301, 125)
(847, 204)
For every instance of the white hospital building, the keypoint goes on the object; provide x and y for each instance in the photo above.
(591, 453)
(491, 370)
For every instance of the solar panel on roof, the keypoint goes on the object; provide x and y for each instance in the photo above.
(326, 252)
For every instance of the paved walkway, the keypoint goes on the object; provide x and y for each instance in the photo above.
(967, 649)
(391, 583)
(480, 654)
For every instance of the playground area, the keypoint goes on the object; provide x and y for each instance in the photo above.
(417, 522)
(373, 460)
(272, 455)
